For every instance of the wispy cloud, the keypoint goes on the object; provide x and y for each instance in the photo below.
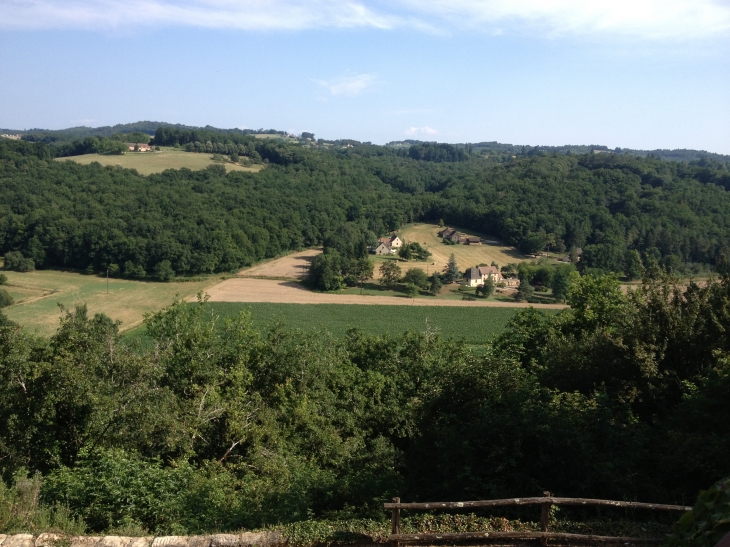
(643, 19)
(349, 86)
(637, 19)
(420, 131)
(234, 14)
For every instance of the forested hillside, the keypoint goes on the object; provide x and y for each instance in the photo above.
(213, 429)
(615, 208)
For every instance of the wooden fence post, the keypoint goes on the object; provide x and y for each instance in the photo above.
(545, 518)
(395, 521)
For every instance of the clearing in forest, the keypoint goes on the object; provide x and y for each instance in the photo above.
(466, 255)
(147, 163)
(38, 293)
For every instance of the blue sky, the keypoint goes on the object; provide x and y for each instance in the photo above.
(639, 74)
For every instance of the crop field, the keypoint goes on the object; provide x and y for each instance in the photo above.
(466, 255)
(147, 163)
(475, 325)
(38, 294)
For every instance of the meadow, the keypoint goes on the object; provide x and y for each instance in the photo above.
(38, 294)
(466, 255)
(474, 325)
(147, 163)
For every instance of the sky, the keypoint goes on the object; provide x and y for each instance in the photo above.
(641, 74)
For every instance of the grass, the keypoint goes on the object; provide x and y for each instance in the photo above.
(466, 255)
(38, 293)
(475, 325)
(147, 163)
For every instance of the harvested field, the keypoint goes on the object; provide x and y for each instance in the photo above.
(466, 255)
(147, 163)
(241, 289)
(293, 266)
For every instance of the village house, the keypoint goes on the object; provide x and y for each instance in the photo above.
(477, 276)
(392, 241)
(453, 236)
(383, 248)
(141, 147)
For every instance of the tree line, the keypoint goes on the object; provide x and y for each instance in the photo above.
(620, 212)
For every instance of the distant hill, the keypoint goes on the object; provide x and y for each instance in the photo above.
(57, 136)
(494, 147)
(62, 136)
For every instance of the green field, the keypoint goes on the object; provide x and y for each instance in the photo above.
(475, 325)
(37, 295)
(147, 163)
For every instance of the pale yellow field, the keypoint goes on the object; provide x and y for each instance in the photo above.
(466, 255)
(37, 295)
(147, 163)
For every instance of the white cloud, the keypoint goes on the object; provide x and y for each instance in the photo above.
(234, 14)
(349, 86)
(638, 19)
(418, 131)
(644, 19)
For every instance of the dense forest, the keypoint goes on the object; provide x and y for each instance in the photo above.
(617, 209)
(200, 429)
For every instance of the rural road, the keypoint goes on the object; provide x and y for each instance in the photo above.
(241, 289)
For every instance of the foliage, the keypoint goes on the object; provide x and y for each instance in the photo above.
(3, 278)
(487, 288)
(389, 273)
(163, 271)
(417, 277)
(15, 260)
(709, 520)
(214, 425)
(21, 510)
(412, 250)
(5, 299)
(436, 285)
(451, 271)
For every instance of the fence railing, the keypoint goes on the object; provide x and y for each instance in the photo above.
(542, 536)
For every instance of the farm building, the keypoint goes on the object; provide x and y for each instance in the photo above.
(140, 146)
(392, 241)
(471, 240)
(477, 275)
(383, 248)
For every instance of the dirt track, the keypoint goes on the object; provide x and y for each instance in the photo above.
(239, 289)
(293, 266)
(248, 286)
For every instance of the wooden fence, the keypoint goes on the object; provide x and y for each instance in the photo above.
(510, 537)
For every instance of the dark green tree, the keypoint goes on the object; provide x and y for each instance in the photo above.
(451, 271)
(417, 277)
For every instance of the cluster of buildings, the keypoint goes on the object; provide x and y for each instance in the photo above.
(138, 147)
(478, 275)
(14, 137)
(452, 235)
(388, 245)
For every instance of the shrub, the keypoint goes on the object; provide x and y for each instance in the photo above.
(5, 299)
(164, 271)
(14, 260)
(3, 279)
(709, 520)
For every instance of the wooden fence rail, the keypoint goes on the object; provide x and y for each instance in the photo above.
(543, 536)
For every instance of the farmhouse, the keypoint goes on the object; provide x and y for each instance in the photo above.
(477, 275)
(453, 236)
(383, 248)
(392, 241)
(140, 146)
(445, 232)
